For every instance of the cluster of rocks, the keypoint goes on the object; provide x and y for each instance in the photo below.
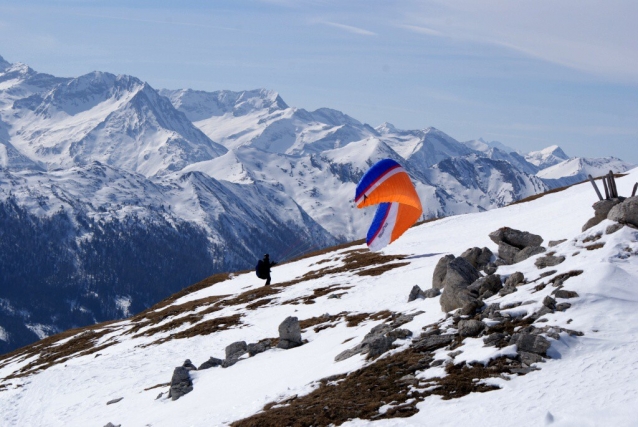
(622, 210)
(289, 337)
(381, 338)
(515, 246)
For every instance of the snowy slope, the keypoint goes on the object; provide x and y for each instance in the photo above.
(587, 380)
(546, 157)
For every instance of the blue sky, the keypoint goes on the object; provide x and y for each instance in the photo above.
(526, 73)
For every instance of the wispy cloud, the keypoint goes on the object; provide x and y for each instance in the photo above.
(349, 28)
(422, 30)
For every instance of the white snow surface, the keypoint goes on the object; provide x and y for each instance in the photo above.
(588, 381)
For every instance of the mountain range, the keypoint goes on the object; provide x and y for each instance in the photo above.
(113, 194)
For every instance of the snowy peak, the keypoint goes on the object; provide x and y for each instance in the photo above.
(199, 105)
(547, 157)
(578, 169)
(4, 64)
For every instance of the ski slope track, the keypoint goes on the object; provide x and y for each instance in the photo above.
(588, 377)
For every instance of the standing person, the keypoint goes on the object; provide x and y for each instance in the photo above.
(263, 268)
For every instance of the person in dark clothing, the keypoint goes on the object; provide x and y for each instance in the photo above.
(266, 264)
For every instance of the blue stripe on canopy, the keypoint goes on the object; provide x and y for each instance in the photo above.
(373, 175)
(379, 218)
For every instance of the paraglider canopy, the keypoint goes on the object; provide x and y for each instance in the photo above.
(388, 185)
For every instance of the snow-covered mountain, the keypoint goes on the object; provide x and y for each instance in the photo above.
(547, 157)
(578, 169)
(99, 169)
(556, 345)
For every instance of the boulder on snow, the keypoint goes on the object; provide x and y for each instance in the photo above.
(563, 293)
(415, 293)
(528, 252)
(553, 243)
(376, 342)
(478, 257)
(625, 212)
(431, 293)
(459, 275)
(259, 347)
(602, 209)
(440, 271)
(113, 425)
(181, 383)
(548, 261)
(210, 363)
(514, 279)
(530, 343)
(233, 352)
(516, 238)
(471, 327)
(507, 252)
(289, 333)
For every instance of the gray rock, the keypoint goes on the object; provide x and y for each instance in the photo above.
(543, 311)
(113, 425)
(376, 342)
(553, 243)
(490, 268)
(471, 308)
(562, 293)
(518, 239)
(459, 275)
(563, 306)
(494, 339)
(440, 271)
(431, 293)
(427, 343)
(603, 207)
(625, 212)
(415, 293)
(236, 350)
(530, 343)
(189, 365)
(507, 253)
(110, 402)
(549, 302)
(181, 383)
(515, 279)
(488, 285)
(614, 228)
(471, 327)
(529, 358)
(507, 290)
(592, 222)
(210, 363)
(259, 347)
(289, 333)
(528, 252)
(548, 261)
(478, 257)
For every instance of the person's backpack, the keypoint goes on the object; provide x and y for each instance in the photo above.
(260, 270)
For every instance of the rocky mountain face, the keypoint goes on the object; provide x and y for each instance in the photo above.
(114, 195)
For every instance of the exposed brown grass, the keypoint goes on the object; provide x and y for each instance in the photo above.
(594, 246)
(206, 327)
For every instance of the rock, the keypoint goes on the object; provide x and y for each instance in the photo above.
(440, 271)
(603, 207)
(259, 347)
(548, 261)
(110, 402)
(492, 311)
(528, 252)
(553, 243)
(189, 365)
(431, 293)
(478, 257)
(543, 311)
(427, 343)
(113, 425)
(530, 343)
(236, 350)
(529, 358)
(507, 290)
(415, 293)
(562, 293)
(376, 342)
(289, 333)
(210, 363)
(507, 253)
(613, 228)
(549, 302)
(515, 279)
(181, 383)
(459, 275)
(471, 308)
(592, 222)
(490, 268)
(625, 212)
(563, 306)
(488, 285)
(471, 327)
(494, 339)
(516, 238)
